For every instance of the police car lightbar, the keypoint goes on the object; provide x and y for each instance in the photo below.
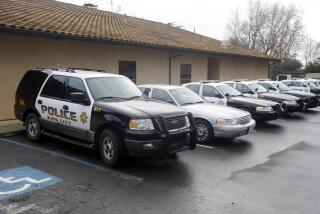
(263, 79)
(240, 80)
(209, 81)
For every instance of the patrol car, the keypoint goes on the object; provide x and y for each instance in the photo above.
(252, 89)
(211, 120)
(261, 110)
(308, 100)
(94, 109)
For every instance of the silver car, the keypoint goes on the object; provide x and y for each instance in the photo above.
(211, 120)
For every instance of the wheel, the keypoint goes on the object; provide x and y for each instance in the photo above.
(33, 127)
(111, 148)
(204, 131)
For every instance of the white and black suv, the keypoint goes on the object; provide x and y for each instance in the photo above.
(95, 109)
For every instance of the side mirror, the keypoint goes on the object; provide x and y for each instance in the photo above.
(256, 90)
(227, 94)
(79, 98)
(146, 92)
(220, 96)
(170, 101)
(271, 88)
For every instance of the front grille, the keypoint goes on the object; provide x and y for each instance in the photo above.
(174, 123)
(244, 120)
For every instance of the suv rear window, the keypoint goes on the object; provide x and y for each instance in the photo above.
(54, 87)
(31, 84)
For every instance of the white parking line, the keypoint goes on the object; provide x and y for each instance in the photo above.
(95, 166)
(207, 147)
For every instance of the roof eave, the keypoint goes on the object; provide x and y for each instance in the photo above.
(59, 35)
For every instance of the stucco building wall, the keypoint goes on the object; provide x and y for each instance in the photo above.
(21, 53)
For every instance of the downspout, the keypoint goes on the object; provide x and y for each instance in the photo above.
(170, 62)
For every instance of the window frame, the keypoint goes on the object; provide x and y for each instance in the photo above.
(185, 80)
(135, 69)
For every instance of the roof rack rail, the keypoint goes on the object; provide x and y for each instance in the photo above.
(71, 70)
(209, 81)
(56, 69)
(88, 69)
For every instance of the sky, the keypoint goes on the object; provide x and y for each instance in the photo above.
(207, 17)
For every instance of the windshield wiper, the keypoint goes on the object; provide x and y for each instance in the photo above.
(134, 97)
(110, 97)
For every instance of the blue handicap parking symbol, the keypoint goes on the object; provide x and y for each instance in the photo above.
(25, 179)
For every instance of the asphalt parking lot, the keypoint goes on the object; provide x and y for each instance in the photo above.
(273, 170)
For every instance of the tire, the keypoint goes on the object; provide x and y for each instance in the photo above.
(111, 147)
(33, 127)
(204, 132)
(173, 156)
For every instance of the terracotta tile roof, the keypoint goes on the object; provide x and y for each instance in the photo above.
(71, 20)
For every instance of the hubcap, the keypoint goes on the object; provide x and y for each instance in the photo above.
(202, 132)
(108, 148)
(33, 127)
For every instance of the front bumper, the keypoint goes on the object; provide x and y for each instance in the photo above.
(231, 131)
(266, 116)
(159, 144)
(297, 107)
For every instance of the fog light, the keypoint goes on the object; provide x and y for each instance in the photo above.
(148, 146)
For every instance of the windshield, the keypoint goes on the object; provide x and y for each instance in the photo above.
(281, 86)
(311, 85)
(185, 96)
(226, 89)
(258, 88)
(113, 87)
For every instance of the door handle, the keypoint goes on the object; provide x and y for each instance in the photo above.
(65, 107)
(40, 102)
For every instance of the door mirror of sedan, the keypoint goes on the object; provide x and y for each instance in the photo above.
(227, 94)
(170, 101)
(220, 96)
(271, 88)
(146, 92)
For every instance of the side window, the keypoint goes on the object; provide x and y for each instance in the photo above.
(128, 69)
(54, 87)
(287, 83)
(209, 91)
(194, 87)
(230, 84)
(75, 85)
(185, 73)
(161, 95)
(243, 88)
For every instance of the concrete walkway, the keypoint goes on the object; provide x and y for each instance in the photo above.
(9, 126)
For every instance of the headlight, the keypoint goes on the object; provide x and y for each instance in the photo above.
(264, 109)
(141, 124)
(291, 102)
(223, 122)
(220, 103)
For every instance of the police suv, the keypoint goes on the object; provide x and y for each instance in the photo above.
(95, 109)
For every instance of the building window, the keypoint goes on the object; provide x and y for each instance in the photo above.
(185, 73)
(128, 69)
